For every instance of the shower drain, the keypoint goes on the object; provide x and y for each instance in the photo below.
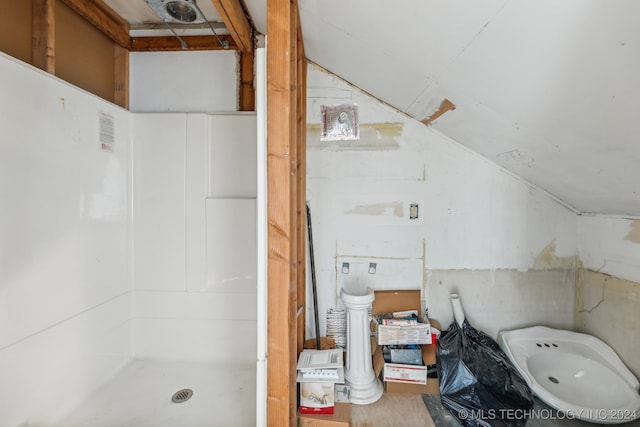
(182, 395)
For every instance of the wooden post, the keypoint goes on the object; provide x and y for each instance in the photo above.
(301, 124)
(121, 76)
(247, 89)
(285, 208)
(43, 35)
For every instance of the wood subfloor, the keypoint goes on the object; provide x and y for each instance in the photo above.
(392, 410)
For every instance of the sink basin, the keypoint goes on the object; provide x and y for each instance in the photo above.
(574, 373)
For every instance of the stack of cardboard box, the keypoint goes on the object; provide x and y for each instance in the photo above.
(388, 302)
(318, 373)
(341, 417)
(403, 377)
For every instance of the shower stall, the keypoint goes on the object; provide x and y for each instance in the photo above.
(129, 261)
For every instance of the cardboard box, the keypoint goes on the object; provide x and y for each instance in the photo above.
(389, 302)
(341, 417)
(394, 301)
(377, 357)
(411, 374)
(317, 397)
(419, 333)
(321, 365)
(432, 386)
(318, 372)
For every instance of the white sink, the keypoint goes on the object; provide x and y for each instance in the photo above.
(574, 373)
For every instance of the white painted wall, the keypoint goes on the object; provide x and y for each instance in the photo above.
(610, 251)
(530, 100)
(611, 245)
(64, 245)
(474, 215)
(190, 81)
(194, 189)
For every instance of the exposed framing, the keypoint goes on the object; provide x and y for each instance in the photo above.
(121, 76)
(286, 182)
(43, 33)
(236, 21)
(301, 117)
(106, 20)
(286, 163)
(171, 43)
(247, 95)
(103, 18)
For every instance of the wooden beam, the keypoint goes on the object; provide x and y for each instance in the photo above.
(103, 18)
(43, 34)
(236, 22)
(293, 188)
(282, 212)
(301, 221)
(171, 43)
(121, 76)
(247, 89)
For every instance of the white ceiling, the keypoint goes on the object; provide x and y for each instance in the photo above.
(548, 89)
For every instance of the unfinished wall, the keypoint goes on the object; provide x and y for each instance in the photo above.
(194, 264)
(507, 247)
(15, 29)
(608, 294)
(83, 55)
(64, 244)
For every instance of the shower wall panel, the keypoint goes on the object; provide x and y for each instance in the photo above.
(194, 174)
(64, 243)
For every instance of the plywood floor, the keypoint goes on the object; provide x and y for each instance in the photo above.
(392, 410)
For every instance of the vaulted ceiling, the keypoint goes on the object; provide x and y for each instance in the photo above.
(548, 90)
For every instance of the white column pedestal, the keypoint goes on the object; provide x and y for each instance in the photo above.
(359, 374)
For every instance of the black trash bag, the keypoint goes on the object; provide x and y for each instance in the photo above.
(478, 383)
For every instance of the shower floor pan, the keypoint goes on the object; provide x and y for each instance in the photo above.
(140, 395)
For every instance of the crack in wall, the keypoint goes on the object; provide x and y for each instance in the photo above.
(604, 285)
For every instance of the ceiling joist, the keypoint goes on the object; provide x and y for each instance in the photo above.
(101, 16)
(237, 23)
(172, 43)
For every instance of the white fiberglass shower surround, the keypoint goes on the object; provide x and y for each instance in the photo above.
(128, 261)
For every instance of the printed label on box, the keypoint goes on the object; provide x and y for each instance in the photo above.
(411, 334)
(411, 374)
